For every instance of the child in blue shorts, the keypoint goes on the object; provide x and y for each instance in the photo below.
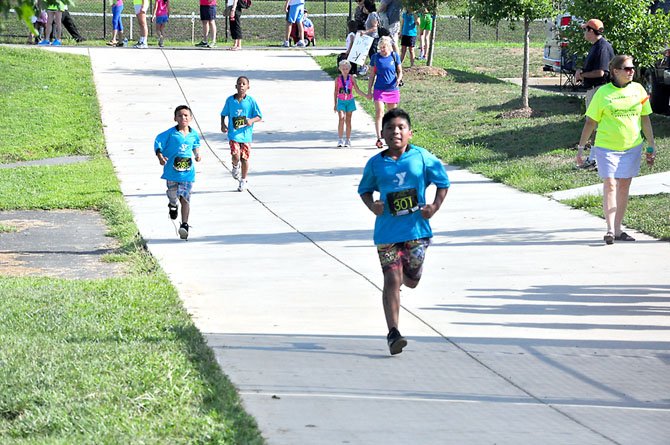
(161, 17)
(175, 149)
(345, 105)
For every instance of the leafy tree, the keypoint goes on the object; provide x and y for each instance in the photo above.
(491, 12)
(23, 8)
(629, 27)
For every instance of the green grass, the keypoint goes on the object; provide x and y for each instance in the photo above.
(41, 123)
(96, 361)
(535, 155)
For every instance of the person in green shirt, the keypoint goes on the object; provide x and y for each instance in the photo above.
(621, 110)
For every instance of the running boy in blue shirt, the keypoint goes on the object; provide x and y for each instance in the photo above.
(242, 112)
(402, 232)
(175, 149)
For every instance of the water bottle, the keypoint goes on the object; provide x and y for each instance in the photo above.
(650, 156)
(125, 42)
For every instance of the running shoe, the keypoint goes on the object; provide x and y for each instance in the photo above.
(286, 44)
(300, 43)
(589, 164)
(202, 44)
(395, 341)
(340, 142)
(172, 210)
(56, 42)
(160, 42)
(183, 231)
(347, 143)
(44, 42)
(243, 185)
(140, 45)
(236, 171)
(211, 45)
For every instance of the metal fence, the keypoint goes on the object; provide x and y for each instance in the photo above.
(264, 21)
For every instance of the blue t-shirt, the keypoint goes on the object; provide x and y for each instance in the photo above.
(415, 170)
(408, 24)
(387, 77)
(237, 113)
(178, 149)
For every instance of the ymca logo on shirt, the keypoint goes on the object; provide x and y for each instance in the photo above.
(401, 178)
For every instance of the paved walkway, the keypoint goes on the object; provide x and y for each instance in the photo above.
(526, 329)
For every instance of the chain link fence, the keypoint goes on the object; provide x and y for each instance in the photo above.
(264, 21)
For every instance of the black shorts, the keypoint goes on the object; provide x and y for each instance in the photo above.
(408, 41)
(207, 12)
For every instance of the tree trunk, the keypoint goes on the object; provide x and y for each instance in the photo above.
(526, 56)
(429, 59)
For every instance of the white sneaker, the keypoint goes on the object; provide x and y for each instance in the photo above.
(286, 44)
(141, 45)
(243, 185)
(340, 142)
(347, 143)
(300, 43)
(236, 172)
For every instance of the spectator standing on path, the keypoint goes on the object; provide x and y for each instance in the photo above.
(208, 19)
(55, 10)
(401, 174)
(391, 10)
(141, 7)
(386, 77)
(233, 12)
(160, 17)
(595, 72)
(117, 24)
(410, 23)
(295, 9)
(175, 149)
(621, 111)
(242, 112)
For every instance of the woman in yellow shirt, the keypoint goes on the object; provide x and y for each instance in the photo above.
(620, 110)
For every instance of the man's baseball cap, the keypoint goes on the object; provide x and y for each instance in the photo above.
(594, 24)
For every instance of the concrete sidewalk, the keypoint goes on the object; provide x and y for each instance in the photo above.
(526, 328)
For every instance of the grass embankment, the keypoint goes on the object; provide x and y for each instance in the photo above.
(458, 118)
(93, 361)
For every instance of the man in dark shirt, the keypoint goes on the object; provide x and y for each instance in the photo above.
(596, 67)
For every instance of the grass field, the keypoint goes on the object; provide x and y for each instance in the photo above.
(535, 155)
(114, 361)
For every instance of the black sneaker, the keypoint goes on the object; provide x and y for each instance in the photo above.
(589, 165)
(173, 211)
(202, 44)
(183, 231)
(396, 341)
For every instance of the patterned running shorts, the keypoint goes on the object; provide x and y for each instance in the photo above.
(408, 255)
(177, 189)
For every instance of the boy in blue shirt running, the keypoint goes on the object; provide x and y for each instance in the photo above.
(175, 149)
(400, 174)
(242, 112)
